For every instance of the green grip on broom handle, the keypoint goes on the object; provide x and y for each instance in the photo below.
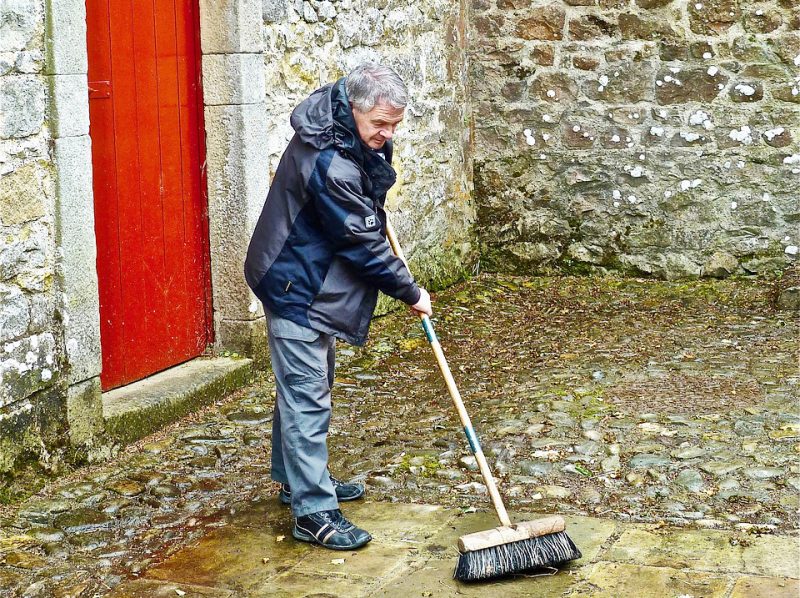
(472, 438)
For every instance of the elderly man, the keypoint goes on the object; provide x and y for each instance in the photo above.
(317, 259)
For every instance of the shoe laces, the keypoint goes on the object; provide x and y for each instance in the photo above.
(339, 521)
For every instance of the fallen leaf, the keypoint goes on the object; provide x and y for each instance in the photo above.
(280, 538)
(265, 560)
(180, 592)
(337, 562)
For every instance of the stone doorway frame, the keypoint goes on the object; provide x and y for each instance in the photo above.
(232, 47)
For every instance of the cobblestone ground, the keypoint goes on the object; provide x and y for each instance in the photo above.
(629, 400)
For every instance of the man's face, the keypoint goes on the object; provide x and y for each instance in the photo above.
(377, 126)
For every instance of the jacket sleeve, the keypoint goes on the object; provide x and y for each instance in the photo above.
(355, 230)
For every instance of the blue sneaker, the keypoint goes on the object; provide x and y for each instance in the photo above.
(345, 491)
(330, 529)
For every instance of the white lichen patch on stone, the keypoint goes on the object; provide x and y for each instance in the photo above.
(637, 172)
(702, 118)
(529, 138)
(745, 89)
(689, 136)
(742, 135)
(773, 133)
(687, 184)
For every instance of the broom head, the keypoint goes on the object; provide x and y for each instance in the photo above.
(506, 550)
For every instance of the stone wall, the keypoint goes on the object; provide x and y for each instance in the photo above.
(49, 321)
(657, 137)
(31, 348)
(311, 43)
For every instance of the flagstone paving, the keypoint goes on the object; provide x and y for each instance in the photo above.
(413, 554)
(662, 418)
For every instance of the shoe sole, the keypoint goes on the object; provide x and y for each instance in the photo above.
(288, 501)
(298, 535)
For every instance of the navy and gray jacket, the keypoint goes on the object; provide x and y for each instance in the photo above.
(319, 254)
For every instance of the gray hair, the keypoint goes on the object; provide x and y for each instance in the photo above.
(370, 83)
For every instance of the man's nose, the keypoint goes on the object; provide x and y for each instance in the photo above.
(387, 133)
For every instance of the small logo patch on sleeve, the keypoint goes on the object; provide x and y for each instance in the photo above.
(370, 221)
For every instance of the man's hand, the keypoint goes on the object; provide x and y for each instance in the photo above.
(423, 306)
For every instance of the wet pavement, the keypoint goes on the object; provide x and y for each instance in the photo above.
(663, 418)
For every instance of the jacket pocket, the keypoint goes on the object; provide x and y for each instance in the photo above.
(283, 328)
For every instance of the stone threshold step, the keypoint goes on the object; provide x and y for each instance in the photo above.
(141, 408)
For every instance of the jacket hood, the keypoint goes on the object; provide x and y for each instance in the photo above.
(324, 118)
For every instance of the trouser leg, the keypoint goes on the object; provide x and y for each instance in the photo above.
(303, 377)
(277, 469)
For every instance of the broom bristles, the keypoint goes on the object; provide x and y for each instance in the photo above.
(549, 550)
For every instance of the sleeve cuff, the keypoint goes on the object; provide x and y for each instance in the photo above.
(413, 295)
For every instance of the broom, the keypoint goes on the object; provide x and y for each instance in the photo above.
(513, 547)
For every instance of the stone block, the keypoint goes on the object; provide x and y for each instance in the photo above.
(542, 22)
(652, 3)
(590, 27)
(747, 91)
(20, 21)
(713, 17)
(554, 87)
(274, 11)
(22, 103)
(233, 79)
(15, 313)
(246, 337)
(65, 37)
(27, 365)
(585, 63)
(84, 411)
(627, 83)
(772, 587)
(69, 105)
(634, 27)
(237, 188)
(488, 26)
(75, 238)
(231, 26)
(22, 195)
(789, 92)
(708, 551)
(720, 264)
(609, 580)
(761, 21)
(689, 85)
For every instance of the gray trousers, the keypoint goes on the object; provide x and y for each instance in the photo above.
(303, 362)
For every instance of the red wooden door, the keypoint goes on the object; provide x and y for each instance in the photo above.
(146, 123)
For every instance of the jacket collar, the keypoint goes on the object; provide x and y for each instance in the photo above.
(345, 137)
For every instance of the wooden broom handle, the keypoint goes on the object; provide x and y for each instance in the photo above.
(472, 438)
